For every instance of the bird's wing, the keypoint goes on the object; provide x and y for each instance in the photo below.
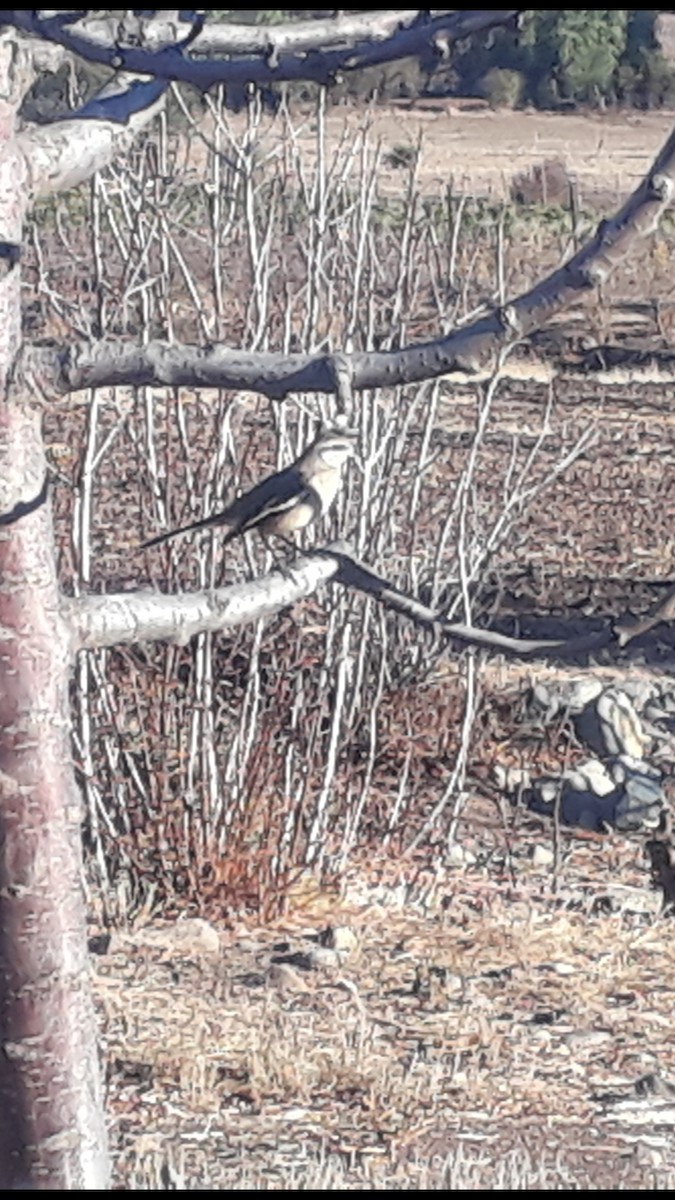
(273, 495)
(269, 497)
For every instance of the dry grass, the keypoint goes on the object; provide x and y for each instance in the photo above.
(475, 1038)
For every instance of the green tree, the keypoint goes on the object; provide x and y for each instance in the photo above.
(590, 45)
(574, 54)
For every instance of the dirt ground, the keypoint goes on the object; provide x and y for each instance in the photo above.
(484, 1031)
(468, 146)
(472, 147)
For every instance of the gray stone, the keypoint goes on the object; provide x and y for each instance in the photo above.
(625, 768)
(562, 968)
(577, 806)
(189, 936)
(586, 810)
(610, 725)
(642, 799)
(588, 1039)
(626, 794)
(324, 959)
(565, 695)
(286, 978)
(666, 695)
(621, 724)
(657, 712)
(547, 789)
(640, 691)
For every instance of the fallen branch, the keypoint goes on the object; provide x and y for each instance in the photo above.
(355, 574)
(627, 627)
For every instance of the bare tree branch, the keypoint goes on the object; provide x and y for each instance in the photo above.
(164, 29)
(317, 34)
(629, 627)
(66, 153)
(124, 618)
(123, 97)
(312, 62)
(469, 350)
(150, 616)
(356, 574)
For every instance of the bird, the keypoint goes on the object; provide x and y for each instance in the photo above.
(287, 501)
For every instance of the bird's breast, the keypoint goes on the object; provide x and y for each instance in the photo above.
(293, 519)
(325, 486)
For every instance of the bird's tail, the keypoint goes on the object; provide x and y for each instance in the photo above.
(217, 519)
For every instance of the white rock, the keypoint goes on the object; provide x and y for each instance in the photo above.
(563, 968)
(542, 856)
(511, 779)
(565, 696)
(591, 776)
(323, 958)
(548, 789)
(457, 855)
(286, 978)
(620, 725)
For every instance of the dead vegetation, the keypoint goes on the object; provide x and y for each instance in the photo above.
(489, 1009)
(484, 1032)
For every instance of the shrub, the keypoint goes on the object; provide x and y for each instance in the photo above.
(502, 88)
(659, 81)
(544, 183)
(401, 156)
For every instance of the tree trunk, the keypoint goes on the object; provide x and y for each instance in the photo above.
(52, 1131)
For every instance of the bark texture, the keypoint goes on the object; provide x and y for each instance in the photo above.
(52, 1132)
(52, 1127)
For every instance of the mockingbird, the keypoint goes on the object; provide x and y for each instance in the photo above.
(287, 501)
